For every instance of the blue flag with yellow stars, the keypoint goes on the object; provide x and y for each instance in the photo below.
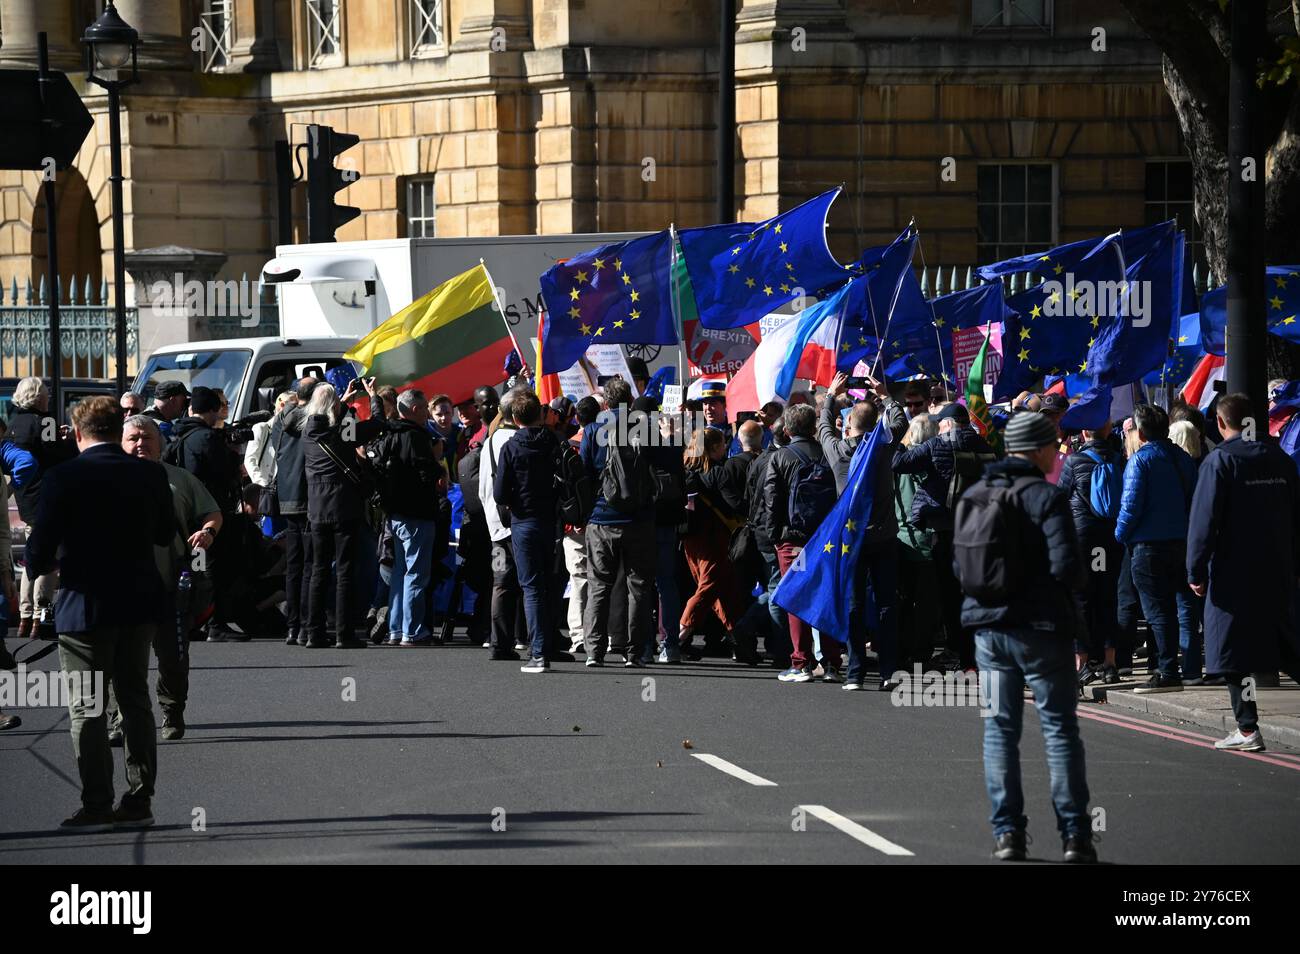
(819, 585)
(1282, 305)
(616, 294)
(928, 349)
(1187, 351)
(888, 302)
(742, 271)
(1059, 320)
(1151, 306)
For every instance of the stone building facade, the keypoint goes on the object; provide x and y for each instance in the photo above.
(998, 124)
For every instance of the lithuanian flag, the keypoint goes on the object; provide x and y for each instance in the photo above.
(452, 340)
(975, 403)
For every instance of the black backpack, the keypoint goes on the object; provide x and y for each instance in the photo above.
(812, 494)
(669, 492)
(967, 469)
(626, 483)
(988, 539)
(574, 488)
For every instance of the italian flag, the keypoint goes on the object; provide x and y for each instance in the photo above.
(452, 340)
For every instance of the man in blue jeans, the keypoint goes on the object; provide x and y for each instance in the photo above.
(525, 485)
(1158, 484)
(1024, 631)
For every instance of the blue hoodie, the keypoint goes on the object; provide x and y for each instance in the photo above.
(18, 463)
(1158, 484)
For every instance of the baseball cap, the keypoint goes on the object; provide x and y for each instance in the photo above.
(1054, 404)
(170, 389)
(954, 411)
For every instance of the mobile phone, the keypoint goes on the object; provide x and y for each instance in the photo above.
(743, 416)
(604, 379)
(859, 384)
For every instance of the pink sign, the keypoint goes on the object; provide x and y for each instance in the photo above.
(966, 344)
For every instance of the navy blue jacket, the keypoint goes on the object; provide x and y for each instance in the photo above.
(593, 458)
(1050, 551)
(1158, 484)
(107, 511)
(525, 477)
(1076, 483)
(1245, 530)
(932, 461)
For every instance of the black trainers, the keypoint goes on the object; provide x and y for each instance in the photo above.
(505, 655)
(1109, 676)
(85, 820)
(1079, 850)
(1159, 683)
(115, 737)
(1010, 846)
(9, 722)
(173, 726)
(352, 643)
(133, 814)
(292, 639)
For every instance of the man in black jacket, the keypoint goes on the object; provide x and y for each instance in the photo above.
(1023, 634)
(291, 495)
(409, 489)
(1095, 651)
(525, 485)
(100, 517)
(788, 539)
(199, 447)
(765, 618)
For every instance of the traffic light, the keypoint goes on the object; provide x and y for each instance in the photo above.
(324, 144)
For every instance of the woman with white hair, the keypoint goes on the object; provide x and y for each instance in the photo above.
(32, 429)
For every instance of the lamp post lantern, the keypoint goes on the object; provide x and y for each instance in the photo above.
(110, 46)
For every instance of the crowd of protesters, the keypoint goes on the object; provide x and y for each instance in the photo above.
(646, 535)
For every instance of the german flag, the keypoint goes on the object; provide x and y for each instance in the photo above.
(452, 340)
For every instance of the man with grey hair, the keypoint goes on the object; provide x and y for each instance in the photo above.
(198, 520)
(132, 403)
(408, 486)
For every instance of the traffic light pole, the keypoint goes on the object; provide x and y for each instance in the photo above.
(52, 247)
(1247, 331)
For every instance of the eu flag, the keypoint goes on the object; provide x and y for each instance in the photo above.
(742, 271)
(1150, 308)
(889, 302)
(819, 583)
(1187, 351)
(616, 294)
(1282, 305)
(1059, 320)
(928, 350)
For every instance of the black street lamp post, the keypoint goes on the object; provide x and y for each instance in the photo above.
(110, 45)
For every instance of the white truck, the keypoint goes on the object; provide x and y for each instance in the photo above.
(331, 295)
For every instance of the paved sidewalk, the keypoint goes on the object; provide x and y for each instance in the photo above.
(1279, 709)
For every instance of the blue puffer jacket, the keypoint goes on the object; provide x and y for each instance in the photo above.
(1158, 484)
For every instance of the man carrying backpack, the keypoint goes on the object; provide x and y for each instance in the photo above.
(1018, 561)
(1159, 481)
(525, 484)
(798, 493)
(1093, 479)
(947, 464)
(507, 613)
(621, 531)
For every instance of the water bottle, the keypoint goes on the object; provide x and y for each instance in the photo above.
(184, 589)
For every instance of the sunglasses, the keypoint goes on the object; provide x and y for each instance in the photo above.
(916, 403)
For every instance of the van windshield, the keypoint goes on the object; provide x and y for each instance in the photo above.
(209, 369)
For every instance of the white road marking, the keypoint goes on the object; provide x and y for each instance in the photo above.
(722, 765)
(854, 830)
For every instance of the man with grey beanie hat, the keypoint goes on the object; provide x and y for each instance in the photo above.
(1018, 560)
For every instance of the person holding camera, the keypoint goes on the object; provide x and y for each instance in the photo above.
(337, 488)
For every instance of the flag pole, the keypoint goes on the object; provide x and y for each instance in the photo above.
(501, 307)
(676, 309)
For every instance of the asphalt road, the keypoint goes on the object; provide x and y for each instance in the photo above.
(441, 748)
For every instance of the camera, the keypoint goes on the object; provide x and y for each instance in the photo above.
(241, 431)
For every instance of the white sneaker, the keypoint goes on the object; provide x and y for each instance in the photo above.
(594, 662)
(577, 646)
(1238, 742)
(522, 647)
(795, 675)
(832, 675)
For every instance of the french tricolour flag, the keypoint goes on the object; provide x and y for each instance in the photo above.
(1199, 389)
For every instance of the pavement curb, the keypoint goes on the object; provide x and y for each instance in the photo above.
(1218, 719)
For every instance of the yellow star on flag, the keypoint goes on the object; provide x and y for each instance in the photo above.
(1281, 281)
(784, 287)
(749, 283)
(634, 314)
(777, 230)
(1074, 294)
(1035, 312)
(582, 277)
(618, 264)
(1045, 258)
(1288, 321)
(584, 329)
(828, 548)
(599, 331)
(845, 347)
(626, 280)
(938, 323)
(1276, 302)
(574, 312)
(1083, 367)
(767, 290)
(1058, 269)
(1055, 297)
(784, 247)
(1024, 333)
(733, 269)
(736, 250)
(850, 525)
(573, 294)
(636, 295)
(599, 263)
(844, 549)
(1023, 355)
(1095, 321)
(618, 324)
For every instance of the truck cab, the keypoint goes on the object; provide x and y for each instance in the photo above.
(251, 371)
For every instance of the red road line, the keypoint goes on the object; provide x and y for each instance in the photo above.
(1138, 720)
(1150, 730)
